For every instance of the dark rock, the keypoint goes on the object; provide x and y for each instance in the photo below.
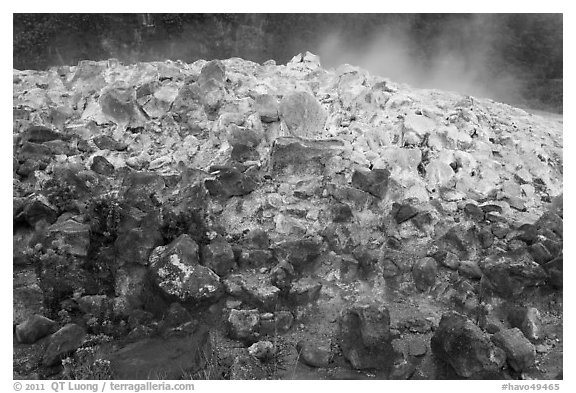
(520, 352)
(500, 230)
(451, 261)
(417, 347)
(74, 237)
(262, 350)
(302, 114)
(485, 237)
(282, 274)
(304, 291)
(218, 256)
(96, 305)
(313, 354)
(267, 107)
(84, 146)
(34, 328)
(102, 166)
(27, 296)
(508, 275)
(528, 234)
(551, 221)
(403, 213)
(424, 273)
(373, 181)
(176, 356)
(261, 293)
(298, 253)
(257, 238)
(243, 153)
(38, 209)
(244, 324)
(229, 182)
(41, 134)
(141, 189)
(555, 269)
(243, 136)
(490, 208)
(474, 212)
(135, 245)
(62, 343)
(461, 344)
(364, 335)
(341, 212)
(292, 156)
(255, 258)
(176, 272)
(349, 268)
(105, 142)
(36, 153)
(540, 253)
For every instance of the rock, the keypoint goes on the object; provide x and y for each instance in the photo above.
(474, 212)
(118, 104)
(177, 315)
(73, 236)
(302, 114)
(509, 275)
(551, 221)
(461, 344)
(95, 305)
(555, 269)
(364, 335)
(373, 181)
(402, 212)
(304, 291)
(34, 328)
(528, 320)
(314, 354)
(292, 156)
(175, 356)
(218, 256)
(280, 323)
(262, 350)
(255, 258)
(417, 347)
(267, 107)
(470, 269)
(62, 343)
(540, 253)
(41, 134)
(134, 245)
(102, 166)
(281, 275)
(416, 127)
(451, 261)
(520, 353)
(176, 272)
(424, 273)
(341, 212)
(246, 367)
(261, 293)
(214, 70)
(27, 296)
(229, 182)
(242, 136)
(39, 209)
(298, 253)
(244, 324)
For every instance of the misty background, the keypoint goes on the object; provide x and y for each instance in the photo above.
(514, 58)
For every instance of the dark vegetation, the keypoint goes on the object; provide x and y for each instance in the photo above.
(524, 47)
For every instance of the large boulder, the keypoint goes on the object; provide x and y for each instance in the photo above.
(303, 115)
(176, 271)
(34, 328)
(520, 352)
(364, 335)
(465, 347)
(373, 181)
(62, 343)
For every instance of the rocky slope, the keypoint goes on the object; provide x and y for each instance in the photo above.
(226, 219)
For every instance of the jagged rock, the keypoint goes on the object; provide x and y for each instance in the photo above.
(41, 134)
(474, 212)
(229, 182)
(470, 269)
(520, 353)
(303, 115)
(341, 212)
(424, 273)
(38, 209)
(528, 320)
(118, 104)
(34, 328)
(373, 181)
(416, 127)
(460, 343)
(292, 156)
(261, 293)
(364, 335)
(102, 166)
(313, 354)
(72, 235)
(403, 212)
(509, 275)
(555, 269)
(255, 258)
(62, 343)
(218, 256)
(298, 253)
(267, 107)
(281, 275)
(244, 324)
(279, 323)
(262, 350)
(135, 245)
(304, 291)
(27, 296)
(178, 274)
(242, 136)
(180, 354)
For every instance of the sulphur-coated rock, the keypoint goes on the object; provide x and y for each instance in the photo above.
(302, 114)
